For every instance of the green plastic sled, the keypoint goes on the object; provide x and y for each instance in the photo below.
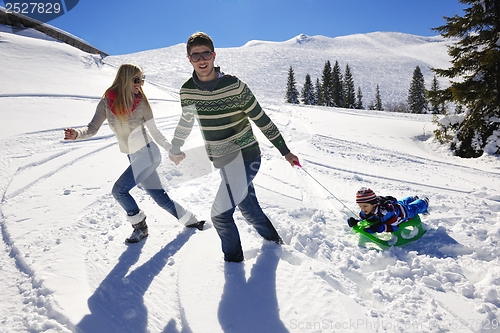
(408, 231)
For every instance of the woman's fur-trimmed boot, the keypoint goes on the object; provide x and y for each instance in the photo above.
(138, 222)
(190, 221)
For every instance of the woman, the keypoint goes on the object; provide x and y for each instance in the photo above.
(127, 110)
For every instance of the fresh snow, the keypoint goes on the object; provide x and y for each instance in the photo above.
(64, 265)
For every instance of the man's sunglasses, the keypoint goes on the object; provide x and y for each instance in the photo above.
(195, 57)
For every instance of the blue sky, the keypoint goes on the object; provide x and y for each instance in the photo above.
(127, 26)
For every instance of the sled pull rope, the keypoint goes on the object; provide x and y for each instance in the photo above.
(300, 166)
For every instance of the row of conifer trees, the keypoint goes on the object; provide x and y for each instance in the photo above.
(474, 77)
(336, 89)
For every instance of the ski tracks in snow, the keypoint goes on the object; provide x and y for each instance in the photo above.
(39, 311)
(106, 286)
(79, 217)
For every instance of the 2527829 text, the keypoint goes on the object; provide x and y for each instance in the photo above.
(32, 8)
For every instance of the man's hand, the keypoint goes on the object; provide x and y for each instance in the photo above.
(292, 159)
(177, 158)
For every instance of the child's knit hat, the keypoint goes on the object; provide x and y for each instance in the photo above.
(365, 195)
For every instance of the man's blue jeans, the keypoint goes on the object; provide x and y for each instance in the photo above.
(237, 190)
(142, 170)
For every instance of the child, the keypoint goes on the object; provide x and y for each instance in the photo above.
(386, 212)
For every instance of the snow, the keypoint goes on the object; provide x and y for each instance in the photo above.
(65, 268)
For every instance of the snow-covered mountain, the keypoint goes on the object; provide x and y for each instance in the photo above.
(65, 267)
(383, 58)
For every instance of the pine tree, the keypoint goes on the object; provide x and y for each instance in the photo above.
(476, 68)
(349, 100)
(317, 91)
(435, 103)
(292, 95)
(359, 99)
(308, 96)
(326, 97)
(416, 94)
(377, 104)
(337, 86)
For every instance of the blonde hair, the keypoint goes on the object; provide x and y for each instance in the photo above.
(122, 87)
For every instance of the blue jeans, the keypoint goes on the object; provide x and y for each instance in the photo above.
(236, 190)
(142, 170)
(413, 207)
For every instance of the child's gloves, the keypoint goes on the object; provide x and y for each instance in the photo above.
(352, 221)
(379, 227)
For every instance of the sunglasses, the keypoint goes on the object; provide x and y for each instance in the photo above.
(195, 57)
(138, 80)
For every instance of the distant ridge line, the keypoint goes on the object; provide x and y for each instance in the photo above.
(21, 21)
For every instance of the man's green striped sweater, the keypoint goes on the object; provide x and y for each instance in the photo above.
(222, 114)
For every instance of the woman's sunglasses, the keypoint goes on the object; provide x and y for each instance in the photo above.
(138, 80)
(195, 57)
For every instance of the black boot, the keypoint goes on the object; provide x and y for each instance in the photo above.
(140, 232)
(198, 225)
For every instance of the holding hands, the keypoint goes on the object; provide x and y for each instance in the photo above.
(177, 158)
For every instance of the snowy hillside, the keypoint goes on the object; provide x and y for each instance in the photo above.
(65, 267)
(387, 59)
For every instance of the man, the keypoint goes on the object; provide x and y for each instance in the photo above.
(222, 104)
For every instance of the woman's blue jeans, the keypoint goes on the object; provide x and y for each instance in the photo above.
(236, 190)
(142, 170)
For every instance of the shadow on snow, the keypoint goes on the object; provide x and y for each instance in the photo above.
(252, 306)
(438, 244)
(117, 305)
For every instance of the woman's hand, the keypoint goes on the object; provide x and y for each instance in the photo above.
(70, 134)
(177, 158)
